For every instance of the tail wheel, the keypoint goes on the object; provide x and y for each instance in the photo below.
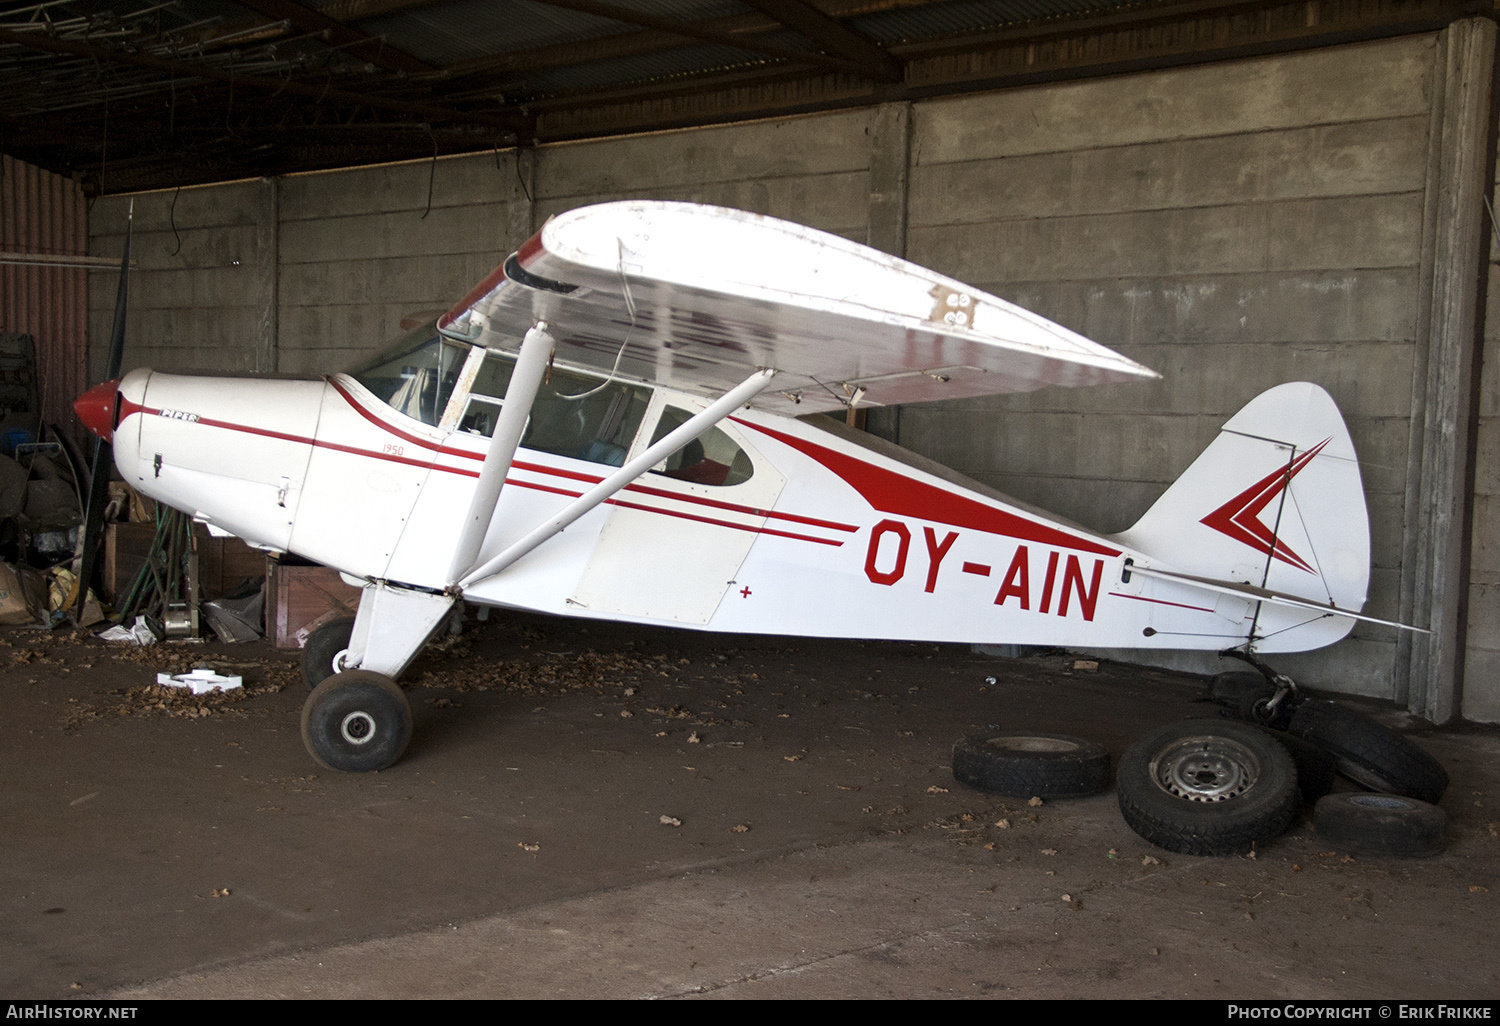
(1381, 824)
(356, 722)
(323, 646)
(1032, 765)
(1207, 787)
(1369, 754)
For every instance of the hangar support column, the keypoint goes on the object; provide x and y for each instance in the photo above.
(890, 177)
(1434, 573)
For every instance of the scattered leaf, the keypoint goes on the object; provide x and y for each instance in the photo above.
(1150, 860)
(934, 789)
(792, 758)
(990, 846)
(529, 847)
(626, 714)
(693, 738)
(1085, 664)
(741, 829)
(1034, 801)
(1003, 824)
(1478, 889)
(1049, 851)
(671, 821)
(220, 892)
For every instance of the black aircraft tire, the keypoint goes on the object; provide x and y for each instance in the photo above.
(1208, 787)
(1380, 824)
(1032, 765)
(357, 721)
(1369, 754)
(321, 646)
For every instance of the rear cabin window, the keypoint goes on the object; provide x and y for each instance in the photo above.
(572, 416)
(712, 458)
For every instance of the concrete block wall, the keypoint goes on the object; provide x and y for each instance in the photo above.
(1233, 226)
(195, 296)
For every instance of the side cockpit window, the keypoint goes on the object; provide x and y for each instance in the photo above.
(713, 458)
(416, 375)
(572, 415)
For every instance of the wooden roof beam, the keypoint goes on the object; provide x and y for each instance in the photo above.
(700, 30)
(833, 36)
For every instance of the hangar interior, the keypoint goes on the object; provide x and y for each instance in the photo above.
(1235, 193)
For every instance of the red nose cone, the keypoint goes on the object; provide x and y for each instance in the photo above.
(96, 408)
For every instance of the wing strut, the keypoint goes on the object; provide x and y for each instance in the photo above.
(531, 365)
(606, 489)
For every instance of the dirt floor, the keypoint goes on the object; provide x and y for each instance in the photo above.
(599, 811)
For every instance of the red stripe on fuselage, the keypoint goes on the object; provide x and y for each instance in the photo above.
(437, 449)
(899, 495)
(540, 468)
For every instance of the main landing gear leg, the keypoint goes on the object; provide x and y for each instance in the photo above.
(358, 719)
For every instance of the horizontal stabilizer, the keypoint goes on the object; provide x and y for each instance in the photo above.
(1250, 591)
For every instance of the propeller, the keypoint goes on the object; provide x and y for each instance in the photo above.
(96, 408)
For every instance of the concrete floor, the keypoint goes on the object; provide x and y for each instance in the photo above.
(192, 848)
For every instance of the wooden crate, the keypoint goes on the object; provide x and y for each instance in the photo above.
(300, 599)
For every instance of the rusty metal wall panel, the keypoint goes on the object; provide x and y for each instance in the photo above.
(44, 214)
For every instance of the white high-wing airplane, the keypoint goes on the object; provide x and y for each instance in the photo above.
(611, 425)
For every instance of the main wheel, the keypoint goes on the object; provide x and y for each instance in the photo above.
(1369, 754)
(322, 646)
(1207, 787)
(356, 721)
(1032, 765)
(1381, 824)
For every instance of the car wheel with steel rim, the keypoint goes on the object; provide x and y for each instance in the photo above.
(1207, 787)
(356, 721)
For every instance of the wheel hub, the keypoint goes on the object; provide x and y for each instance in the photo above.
(1206, 769)
(358, 728)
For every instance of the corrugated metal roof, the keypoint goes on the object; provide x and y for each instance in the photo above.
(203, 90)
(904, 25)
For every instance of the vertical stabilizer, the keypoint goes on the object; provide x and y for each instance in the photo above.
(1275, 501)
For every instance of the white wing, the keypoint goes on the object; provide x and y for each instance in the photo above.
(699, 297)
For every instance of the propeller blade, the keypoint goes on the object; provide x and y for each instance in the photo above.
(104, 457)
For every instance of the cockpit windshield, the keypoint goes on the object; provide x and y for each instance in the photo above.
(415, 375)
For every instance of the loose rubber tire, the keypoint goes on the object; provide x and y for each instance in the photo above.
(1373, 756)
(320, 648)
(1208, 787)
(1032, 765)
(1316, 769)
(1381, 824)
(357, 721)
